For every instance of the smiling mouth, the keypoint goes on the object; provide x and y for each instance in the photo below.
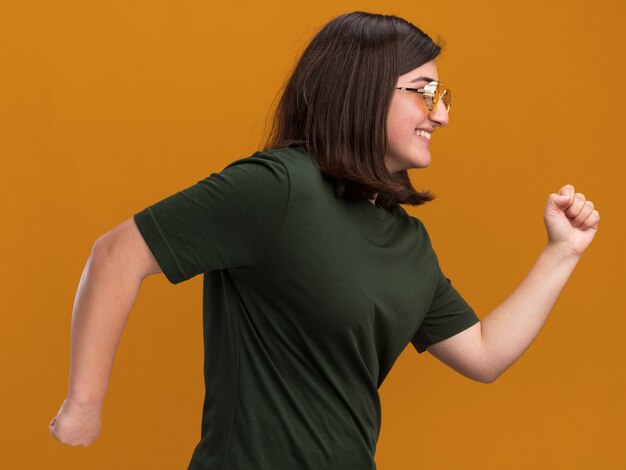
(422, 138)
(424, 134)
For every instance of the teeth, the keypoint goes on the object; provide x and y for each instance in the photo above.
(423, 133)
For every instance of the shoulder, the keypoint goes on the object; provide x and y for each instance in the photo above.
(421, 233)
(260, 168)
(282, 162)
(293, 158)
(415, 223)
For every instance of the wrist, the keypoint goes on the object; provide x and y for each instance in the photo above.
(562, 252)
(78, 401)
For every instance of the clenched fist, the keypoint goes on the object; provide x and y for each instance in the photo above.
(76, 424)
(571, 220)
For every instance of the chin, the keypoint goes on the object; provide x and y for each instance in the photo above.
(415, 160)
(422, 161)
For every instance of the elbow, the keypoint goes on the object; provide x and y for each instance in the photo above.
(489, 377)
(485, 379)
(488, 380)
(488, 372)
(489, 369)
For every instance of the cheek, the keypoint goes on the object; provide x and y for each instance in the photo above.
(399, 122)
(400, 128)
(404, 118)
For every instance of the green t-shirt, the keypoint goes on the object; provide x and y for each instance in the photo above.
(309, 299)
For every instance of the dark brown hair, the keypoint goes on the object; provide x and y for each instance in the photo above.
(335, 103)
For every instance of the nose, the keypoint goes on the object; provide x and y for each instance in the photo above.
(439, 115)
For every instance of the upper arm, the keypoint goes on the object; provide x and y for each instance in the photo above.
(228, 220)
(463, 352)
(126, 241)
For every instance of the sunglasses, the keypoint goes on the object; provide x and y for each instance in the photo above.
(432, 93)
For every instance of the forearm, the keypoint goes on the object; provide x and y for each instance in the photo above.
(106, 294)
(511, 327)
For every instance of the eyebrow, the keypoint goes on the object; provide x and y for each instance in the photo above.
(426, 79)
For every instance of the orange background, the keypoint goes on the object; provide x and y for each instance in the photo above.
(108, 107)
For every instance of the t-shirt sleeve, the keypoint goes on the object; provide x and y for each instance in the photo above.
(448, 314)
(226, 220)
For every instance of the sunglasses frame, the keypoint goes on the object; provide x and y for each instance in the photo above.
(431, 93)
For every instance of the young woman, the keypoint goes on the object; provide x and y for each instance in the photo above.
(315, 277)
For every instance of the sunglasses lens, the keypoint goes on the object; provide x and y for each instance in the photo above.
(440, 94)
(446, 98)
(435, 92)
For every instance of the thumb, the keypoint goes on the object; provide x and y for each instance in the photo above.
(561, 200)
(51, 428)
(557, 203)
(565, 195)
